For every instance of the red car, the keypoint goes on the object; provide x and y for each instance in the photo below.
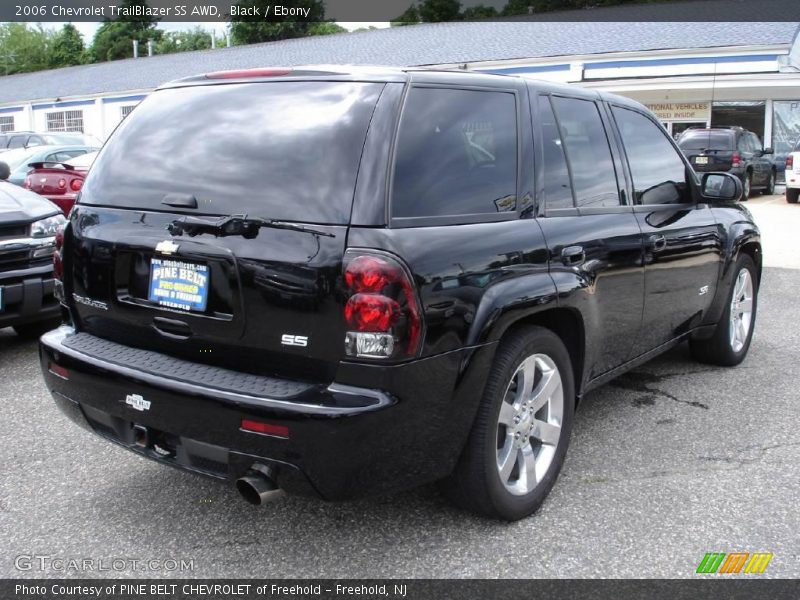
(60, 182)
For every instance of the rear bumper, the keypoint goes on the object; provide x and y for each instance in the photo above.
(28, 296)
(375, 429)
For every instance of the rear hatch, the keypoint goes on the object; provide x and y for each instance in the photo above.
(213, 224)
(708, 150)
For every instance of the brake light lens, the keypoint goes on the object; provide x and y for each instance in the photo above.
(62, 183)
(789, 161)
(76, 184)
(57, 263)
(382, 311)
(736, 159)
(244, 73)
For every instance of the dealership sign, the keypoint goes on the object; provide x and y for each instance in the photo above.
(681, 111)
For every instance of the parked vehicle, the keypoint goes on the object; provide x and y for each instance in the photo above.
(59, 182)
(19, 160)
(28, 226)
(352, 281)
(734, 150)
(29, 139)
(793, 175)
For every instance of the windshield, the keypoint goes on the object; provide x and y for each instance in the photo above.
(278, 150)
(70, 138)
(16, 158)
(84, 161)
(704, 139)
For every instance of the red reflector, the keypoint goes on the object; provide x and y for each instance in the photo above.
(370, 274)
(368, 312)
(243, 73)
(265, 428)
(58, 371)
(76, 185)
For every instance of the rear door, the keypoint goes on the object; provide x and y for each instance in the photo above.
(592, 234)
(682, 241)
(155, 259)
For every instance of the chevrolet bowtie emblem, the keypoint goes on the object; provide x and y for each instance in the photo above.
(167, 247)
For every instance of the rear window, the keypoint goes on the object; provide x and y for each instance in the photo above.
(279, 150)
(706, 140)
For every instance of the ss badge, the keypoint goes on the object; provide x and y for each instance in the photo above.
(294, 340)
(702, 291)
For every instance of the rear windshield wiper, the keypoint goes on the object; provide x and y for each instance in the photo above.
(243, 225)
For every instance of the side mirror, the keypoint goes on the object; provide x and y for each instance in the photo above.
(721, 187)
(5, 171)
(768, 151)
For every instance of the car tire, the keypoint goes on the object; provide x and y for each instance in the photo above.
(792, 195)
(747, 187)
(35, 330)
(731, 340)
(521, 431)
(770, 189)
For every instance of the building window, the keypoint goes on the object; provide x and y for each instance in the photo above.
(65, 120)
(126, 110)
(6, 124)
(785, 126)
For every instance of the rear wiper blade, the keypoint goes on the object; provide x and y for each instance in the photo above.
(242, 225)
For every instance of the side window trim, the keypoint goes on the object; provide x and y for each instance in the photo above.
(574, 209)
(463, 219)
(691, 176)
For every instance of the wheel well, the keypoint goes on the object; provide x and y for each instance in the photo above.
(753, 250)
(567, 324)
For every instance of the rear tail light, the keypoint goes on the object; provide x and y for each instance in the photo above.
(736, 159)
(57, 265)
(76, 184)
(382, 311)
(265, 428)
(58, 370)
(789, 161)
(62, 183)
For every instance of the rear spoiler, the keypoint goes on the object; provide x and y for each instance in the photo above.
(50, 165)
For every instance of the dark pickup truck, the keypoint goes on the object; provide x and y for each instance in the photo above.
(28, 225)
(340, 282)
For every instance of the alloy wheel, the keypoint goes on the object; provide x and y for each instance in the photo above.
(529, 424)
(741, 313)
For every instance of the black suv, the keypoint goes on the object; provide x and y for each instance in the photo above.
(734, 150)
(28, 225)
(349, 282)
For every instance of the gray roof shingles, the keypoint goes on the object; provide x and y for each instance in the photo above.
(428, 44)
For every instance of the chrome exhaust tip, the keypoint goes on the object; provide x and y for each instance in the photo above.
(258, 485)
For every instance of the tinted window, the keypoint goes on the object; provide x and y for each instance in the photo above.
(35, 140)
(755, 142)
(703, 139)
(557, 188)
(456, 154)
(659, 173)
(587, 150)
(282, 150)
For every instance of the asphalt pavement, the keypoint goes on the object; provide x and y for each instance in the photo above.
(668, 462)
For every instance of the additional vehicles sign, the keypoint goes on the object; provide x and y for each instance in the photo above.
(177, 284)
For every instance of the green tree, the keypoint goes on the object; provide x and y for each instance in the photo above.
(67, 47)
(184, 41)
(325, 28)
(114, 39)
(252, 30)
(409, 17)
(479, 12)
(435, 11)
(23, 49)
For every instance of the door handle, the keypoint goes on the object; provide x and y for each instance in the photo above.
(657, 243)
(573, 255)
